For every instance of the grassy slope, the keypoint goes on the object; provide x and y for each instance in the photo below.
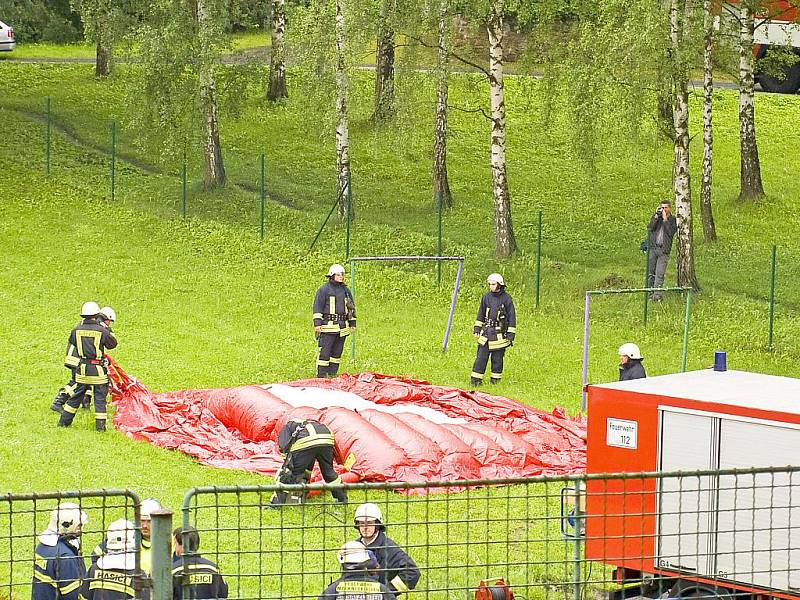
(202, 303)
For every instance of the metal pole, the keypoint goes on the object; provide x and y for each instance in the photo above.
(439, 262)
(183, 186)
(585, 351)
(452, 305)
(347, 216)
(113, 158)
(538, 257)
(646, 281)
(325, 222)
(161, 554)
(353, 292)
(686, 329)
(772, 296)
(47, 153)
(576, 556)
(262, 196)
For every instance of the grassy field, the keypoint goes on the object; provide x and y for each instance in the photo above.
(202, 302)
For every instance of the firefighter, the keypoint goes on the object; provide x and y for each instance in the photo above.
(58, 569)
(495, 329)
(357, 581)
(111, 577)
(305, 441)
(334, 320)
(396, 569)
(145, 561)
(191, 570)
(90, 338)
(630, 362)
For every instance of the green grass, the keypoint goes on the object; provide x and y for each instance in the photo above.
(203, 303)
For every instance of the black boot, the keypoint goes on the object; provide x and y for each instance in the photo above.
(59, 401)
(100, 424)
(475, 381)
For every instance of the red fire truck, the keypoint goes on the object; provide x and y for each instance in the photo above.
(777, 26)
(719, 535)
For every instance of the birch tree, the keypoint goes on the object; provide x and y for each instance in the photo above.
(213, 168)
(751, 186)
(706, 212)
(277, 62)
(384, 62)
(505, 242)
(441, 183)
(98, 17)
(342, 128)
(679, 19)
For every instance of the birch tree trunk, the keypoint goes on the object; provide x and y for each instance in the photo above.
(277, 62)
(105, 47)
(441, 184)
(505, 243)
(342, 131)
(384, 62)
(706, 212)
(213, 168)
(751, 186)
(681, 174)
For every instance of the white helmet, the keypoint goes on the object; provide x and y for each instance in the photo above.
(121, 536)
(354, 555)
(90, 309)
(67, 519)
(335, 268)
(148, 506)
(108, 313)
(495, 278)
(630, 350)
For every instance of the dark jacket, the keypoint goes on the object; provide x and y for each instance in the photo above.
(301, 435)
(633, 369)
(334, 309)
(204, 579)
(496, 322)
(396, 569)
(356, 585)
(110, 578)
(58, 572)
(90, 340)
(670, 226)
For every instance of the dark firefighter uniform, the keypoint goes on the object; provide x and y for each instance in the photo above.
(91, 339)
(109, 579)
(144, 560)
(200, 576)
(496, 326)
(58, 572)
(71, 362)
(357, 585)
(396, 569)
(335, 312)
(304, 442)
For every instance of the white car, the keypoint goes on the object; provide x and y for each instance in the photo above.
(7, 42)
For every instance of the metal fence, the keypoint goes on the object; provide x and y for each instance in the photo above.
(717, 534)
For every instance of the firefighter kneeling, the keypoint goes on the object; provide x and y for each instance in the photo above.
(357, 581)
(304, 442)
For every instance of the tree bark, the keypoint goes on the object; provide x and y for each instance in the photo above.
(277, 62)
(342, 129)
(441, 184)
(213, 168)
(384, 63)
(706, 212)
(751, 186)
(105, 45)
(505, 243)
(681, 175)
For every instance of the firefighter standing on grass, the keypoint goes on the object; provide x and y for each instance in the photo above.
(357, 581)
(334, 320)
(305, 441)
(90, 338)
(59, 570)
(112, 576)
(495, 328)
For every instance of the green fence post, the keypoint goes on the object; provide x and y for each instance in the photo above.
(646, 282)
(353, 292)
(686, 329)
(262, 196)
(348, 209)
(439, 262)
(113, 158)
(183, 186)
(161, 553)
(538, 257)
(47, 151)
(772, 296)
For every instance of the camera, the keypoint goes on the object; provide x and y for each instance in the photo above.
(659, 211)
